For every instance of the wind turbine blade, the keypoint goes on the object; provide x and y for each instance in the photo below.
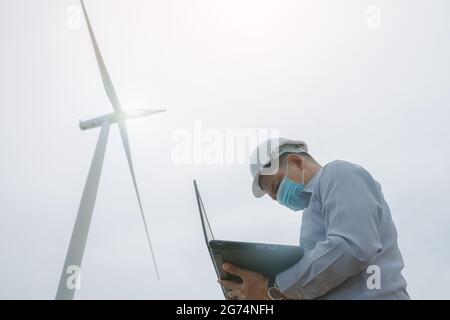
(107, 83)
(72, 265)
(126, 144)
(137, 113)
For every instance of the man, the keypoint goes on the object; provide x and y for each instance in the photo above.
(347, 231)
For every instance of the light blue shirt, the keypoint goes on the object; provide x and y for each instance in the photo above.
(349, 238)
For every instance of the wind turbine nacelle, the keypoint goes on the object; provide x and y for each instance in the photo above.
(116, 117)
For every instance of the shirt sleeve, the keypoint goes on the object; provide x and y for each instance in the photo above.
(351, 210)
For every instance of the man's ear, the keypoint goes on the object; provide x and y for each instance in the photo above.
(295, 160)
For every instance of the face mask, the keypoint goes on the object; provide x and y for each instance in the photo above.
(289, 192)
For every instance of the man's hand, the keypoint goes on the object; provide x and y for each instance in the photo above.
(252, 287)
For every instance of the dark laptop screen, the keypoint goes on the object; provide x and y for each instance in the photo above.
(205, 223)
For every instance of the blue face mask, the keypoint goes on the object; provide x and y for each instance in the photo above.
(289, 191)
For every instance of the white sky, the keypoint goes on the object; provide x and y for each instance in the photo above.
(311, 69)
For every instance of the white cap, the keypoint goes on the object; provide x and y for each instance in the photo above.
(269, 152)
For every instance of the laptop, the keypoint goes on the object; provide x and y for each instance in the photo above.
(267, 259)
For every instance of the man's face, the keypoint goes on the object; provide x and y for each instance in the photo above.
(270, 183)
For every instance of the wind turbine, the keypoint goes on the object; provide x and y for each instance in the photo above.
(69, 280)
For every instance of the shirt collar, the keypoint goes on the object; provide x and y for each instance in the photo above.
(310, 185)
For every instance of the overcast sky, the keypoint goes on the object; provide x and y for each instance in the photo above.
(374, 92)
